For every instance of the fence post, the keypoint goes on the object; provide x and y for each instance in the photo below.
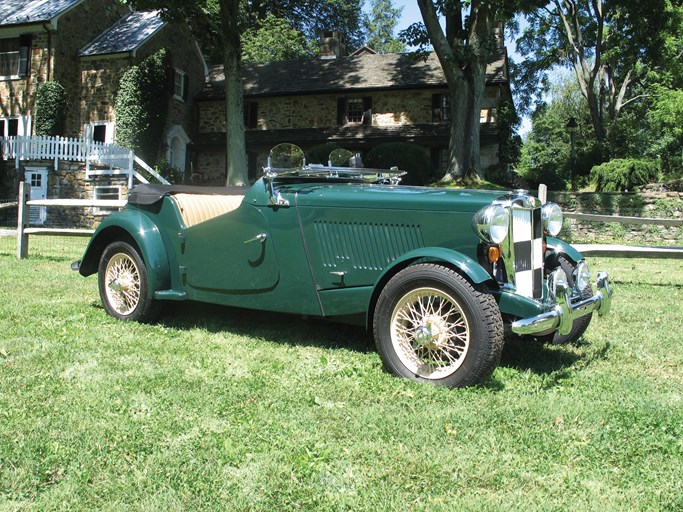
(23, 219)
(543, 193)
(131, 167)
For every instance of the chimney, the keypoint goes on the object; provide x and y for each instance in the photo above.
(332, 44)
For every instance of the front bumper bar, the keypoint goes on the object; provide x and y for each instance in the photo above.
(562, 316)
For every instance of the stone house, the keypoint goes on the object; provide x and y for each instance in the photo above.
(357, 101)
(87, 45)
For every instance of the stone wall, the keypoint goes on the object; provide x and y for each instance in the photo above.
(75, 29)
(100, 77)
(389, 108)
(648, 203)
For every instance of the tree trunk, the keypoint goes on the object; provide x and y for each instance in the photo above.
(236, 157)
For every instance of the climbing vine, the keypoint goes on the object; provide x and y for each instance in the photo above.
(142, 105)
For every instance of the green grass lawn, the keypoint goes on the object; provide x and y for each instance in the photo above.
(224, 409)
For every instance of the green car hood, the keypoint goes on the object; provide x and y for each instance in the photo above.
(390, 197)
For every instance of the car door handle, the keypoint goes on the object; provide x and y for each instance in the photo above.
(258, 238)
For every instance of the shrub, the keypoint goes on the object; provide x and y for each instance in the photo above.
(142, 105)
(404, 155)
(623, 174)
(319, 154)
(51, 108)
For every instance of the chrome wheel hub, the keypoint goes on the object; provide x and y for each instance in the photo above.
(122, 287)
(430, 333)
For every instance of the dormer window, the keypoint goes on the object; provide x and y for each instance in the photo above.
(15, 54)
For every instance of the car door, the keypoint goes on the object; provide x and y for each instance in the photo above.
(231, 253)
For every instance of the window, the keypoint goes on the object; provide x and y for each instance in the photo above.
(99, 131)
(250, 114)
(354, 110)
(15, 56)
(107, 193)
(180, 85)
(13, 126)
(441, 107)
(487, 115)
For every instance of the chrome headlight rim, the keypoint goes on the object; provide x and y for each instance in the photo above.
(582, 277)
(552, 216)
(492, 223)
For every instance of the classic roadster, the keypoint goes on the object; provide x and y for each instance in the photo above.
(440, 276)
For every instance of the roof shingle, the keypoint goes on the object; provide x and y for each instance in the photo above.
(19, 12)
(360, 72)
(126, 35)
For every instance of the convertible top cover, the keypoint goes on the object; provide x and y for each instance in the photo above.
(147, 193)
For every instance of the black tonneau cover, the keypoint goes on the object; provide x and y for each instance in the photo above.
(147, 193)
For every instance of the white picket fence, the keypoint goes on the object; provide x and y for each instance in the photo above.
(119, 160)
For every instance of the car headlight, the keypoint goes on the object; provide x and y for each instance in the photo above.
(552, 218)
(582, 276)
(491, 223)
(558, 283)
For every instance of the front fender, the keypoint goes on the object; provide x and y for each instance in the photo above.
(138, 227)
(560, 246)
(469, 267)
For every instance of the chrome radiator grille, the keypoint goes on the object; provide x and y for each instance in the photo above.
(527, 248)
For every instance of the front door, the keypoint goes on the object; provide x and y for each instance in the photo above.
(37, 178)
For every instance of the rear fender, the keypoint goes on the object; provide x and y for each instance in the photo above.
(130, 225)
(467, 266)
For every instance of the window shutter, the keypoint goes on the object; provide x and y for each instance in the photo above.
(341, 110)
(436, 108)
(367, 110)
(25, 43)
(253, 115)
(186, 87)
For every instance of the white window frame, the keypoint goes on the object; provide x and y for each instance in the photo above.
(23, 125)
(109, 133)
(99, 189)
(179, 73)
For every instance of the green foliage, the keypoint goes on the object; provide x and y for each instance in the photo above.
(274, 40)
(404, 155)
(51, 108)
(624, 174)
(380, 26)
(320, 154)
(142, 105)
(172, 174)
(546, 152)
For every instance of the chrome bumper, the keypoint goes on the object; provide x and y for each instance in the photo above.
(562, 316)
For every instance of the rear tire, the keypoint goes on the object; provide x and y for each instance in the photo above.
(123, 284)
(431, 325)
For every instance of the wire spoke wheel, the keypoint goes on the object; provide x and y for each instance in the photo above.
(122, 284)
(430, 333)
(431, 325)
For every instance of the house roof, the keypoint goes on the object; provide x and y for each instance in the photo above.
(354, 72)
(126, 35)
(20, 12)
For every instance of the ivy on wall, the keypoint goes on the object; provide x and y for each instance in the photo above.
(51, 108)
(142, 105)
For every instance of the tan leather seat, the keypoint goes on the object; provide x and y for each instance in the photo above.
(196, 208)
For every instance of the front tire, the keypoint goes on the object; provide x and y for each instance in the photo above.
(431, 325)
(123, 284)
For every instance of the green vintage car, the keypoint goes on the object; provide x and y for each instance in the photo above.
(440, 276)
